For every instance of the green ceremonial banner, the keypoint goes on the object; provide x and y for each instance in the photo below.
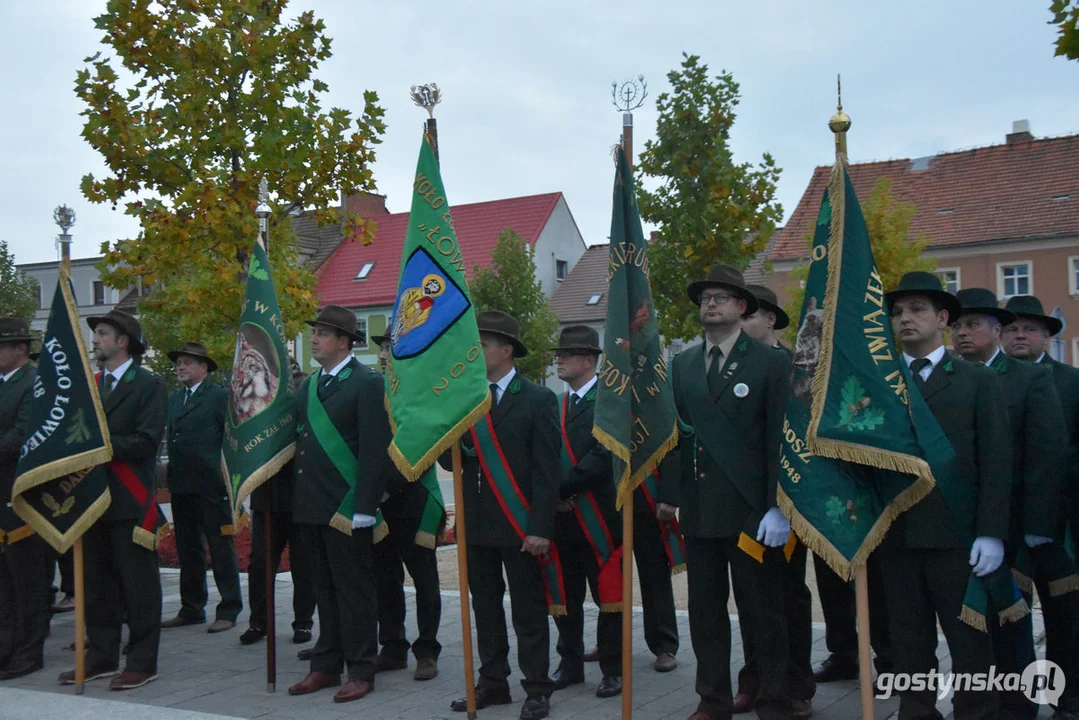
(436, 379)
(55, 491)
(260, 429)
(851, 460)
(635, 414)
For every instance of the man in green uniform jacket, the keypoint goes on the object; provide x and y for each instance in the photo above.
(341, 466)
(1027, 338)
(200, 503)
(731, 390)
(928, 553)
(25, 559)
(120, 548)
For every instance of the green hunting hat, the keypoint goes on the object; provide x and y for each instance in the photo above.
(980, 301)
(726, 277)
(501, 324)
(126, 324)
(339, 318)
(578, 337)
(1029, 306)
(195, 350)
(920, 282)
(768, 301)
(14, 330)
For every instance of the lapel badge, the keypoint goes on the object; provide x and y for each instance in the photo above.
(730, 370)
(741, 390)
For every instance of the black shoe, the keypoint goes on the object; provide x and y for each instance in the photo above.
(385, 662)
(592, 655)
(19, 669)
(252, 635)
(609, 686)
(836, 667)
(485, 697)
(536, 707)
(563, 679)
(301, 636)
(304, 654)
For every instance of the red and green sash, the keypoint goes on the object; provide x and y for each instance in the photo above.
(589, 517)
(673, 542)
(337, 450)
(147, 532)
(515, 506)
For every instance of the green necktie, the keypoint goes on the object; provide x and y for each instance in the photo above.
(713, 370)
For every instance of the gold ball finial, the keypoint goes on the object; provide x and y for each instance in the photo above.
(840, 122)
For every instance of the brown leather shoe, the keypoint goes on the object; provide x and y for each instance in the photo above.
(180, 621)
(801, 709)
(743, 703)
(313, 682)
(68, 677)
(129, 680)
(353, 690)
(665, 662)
(426, 669)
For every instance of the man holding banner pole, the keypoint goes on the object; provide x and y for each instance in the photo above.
(26, 562)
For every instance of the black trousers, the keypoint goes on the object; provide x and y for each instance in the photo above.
(579, 568)
(798, 607)
(708, 561)
(528, 608)
(25, 573)
(840, 614)
(301, 562)
(66, 562)
(925, 586)
(121, 577)
(197, 521)
(1061, 615)
(657, 594)
(398, 551)
(347, 610)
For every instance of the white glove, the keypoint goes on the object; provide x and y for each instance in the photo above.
(1036, 540)
(986, 554)
(775, 528)
(360, 520)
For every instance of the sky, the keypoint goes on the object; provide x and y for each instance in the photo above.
(526, 88)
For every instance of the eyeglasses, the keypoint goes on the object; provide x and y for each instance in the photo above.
(718, 298)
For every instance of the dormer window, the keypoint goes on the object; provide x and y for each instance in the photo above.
(594, 300)
(364, 271)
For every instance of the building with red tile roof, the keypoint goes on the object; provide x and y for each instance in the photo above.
(1003, 217)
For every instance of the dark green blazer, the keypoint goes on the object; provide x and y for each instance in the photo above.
(135, 412)
(354, 403)
(730, 464)
(276, 493)
(526, 423)
(968, 403)
(1039, 447)
(194, 435)
(593, 471)
(14, 417)
(1066, 379)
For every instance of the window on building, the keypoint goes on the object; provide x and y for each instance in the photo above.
(99, 292)
(37, 291)
(365, 271)
(361, 326)
(1014, 279)
(950, 278)
(594, 300)
(1073, 275)
(561, 269)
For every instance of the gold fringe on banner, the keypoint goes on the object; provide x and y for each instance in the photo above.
(255, 479)
(627, 483)
(1025, 584)
(341, 523)
(1016, 612)
(415, 472)
(1063, 586)
(973, 618)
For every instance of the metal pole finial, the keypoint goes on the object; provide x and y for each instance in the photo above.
(426, 97)
(629, 95)
(840, 122)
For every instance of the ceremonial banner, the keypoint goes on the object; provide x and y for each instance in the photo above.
(260, 429)
(635, 415)
(851, 460)
(436, 379)
(54, 491)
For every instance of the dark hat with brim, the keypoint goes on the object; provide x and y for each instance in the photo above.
(768, 301)
(578, 338)
(379, 339)
(501, 324)
(725, 277)
(339, 318)
(1028, 306)
(928, 284)
(195, 350)
(981, 301)
(126, 324)
(15, 330)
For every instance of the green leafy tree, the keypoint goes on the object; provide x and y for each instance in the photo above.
(200, 100)
(895, 250)
(18, 292)
(709, 208)
(1066, 18)
(510, 285)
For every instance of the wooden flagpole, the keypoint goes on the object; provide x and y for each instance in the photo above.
(271, 609)
(462, 572)
(627, 609)
(80, 620)
(861, 596)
